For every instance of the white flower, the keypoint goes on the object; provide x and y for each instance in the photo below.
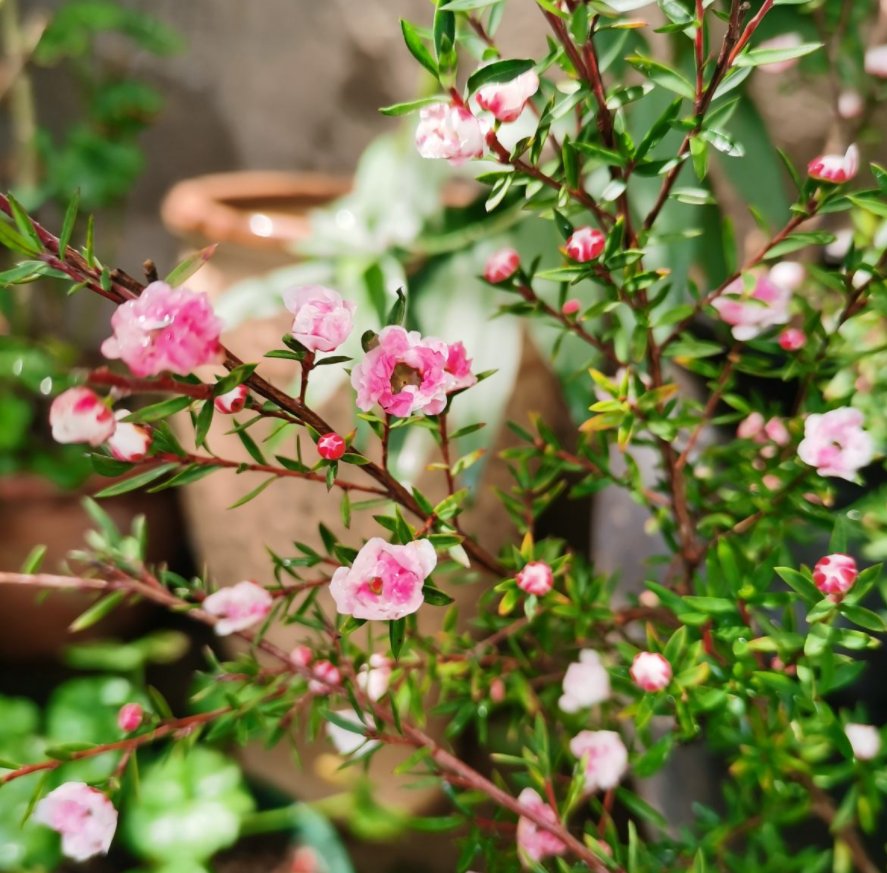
(865, 740)
(348, 742)
(586, 683)
(374, 676)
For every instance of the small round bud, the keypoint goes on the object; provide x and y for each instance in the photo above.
(130, 716)
(834, 575)
(571, 307)
(501, 265)
(535, 578)
(650, 671)
(231, 401)
(331, 447)
(792, 339)
(585, 244)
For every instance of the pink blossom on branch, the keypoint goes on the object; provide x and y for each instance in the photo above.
(83, 816)
(231, 401)
(164, 329)
(535, 578)
(650, 671)
(129, 717)
(836, 443)
(586, 683)
(326, 675)
(506, 100)
(129, 442)
(534, 842)
(585, 244)
(238, 607)
(322, 320)
(604, 758)
(385, 581)
(79, 415)
(501, 265)
(836, 169)
(750, 309)
(835, 574)
(449, 131)
(792, 339)
(406, 373)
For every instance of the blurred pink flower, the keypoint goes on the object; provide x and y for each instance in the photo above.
(876, 61)
(238, 607)
(835, 168)
(449, 131)
(835, 574)
(586, 683)
(535, 578)
(791, 339)
(865, 740)
(326, 674)
(322, 320)
(129, 717)
(506, 100)
(604, 758)
(83, 816)
(164, 329)
(751, 311)
(835, 443)
(533, 842)
(129, 442)
(458, 367)
(79, 415)
(385, 581)
(650, 671)
(501, 265)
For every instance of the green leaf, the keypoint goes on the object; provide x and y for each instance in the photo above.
(417, 47)
(396, 634)
(252, 449)
(32, 562)
(14, 241)
(412, 105)
(398, 312)
(23, 222)
(466, 5)
(163, 409)
(436, 597)
(499, 71)
(203, 422)
(796, 241)
(236, 377)
(97, 611)
(663, 76)
(187, 268)
(252, 494)
(68, 223)
(757, 57)
(138, 481)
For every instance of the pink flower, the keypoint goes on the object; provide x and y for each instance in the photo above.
(129, 442)
(385, 581)
(535, 578)
(604, 758)
(301, 656)
(586, 683)
(506, 100)
(326, 674)
(231, 401)
(129, 717)
(331, 446)
(792, 339)
(406, 373)
(534, 842)
(783, 41)
(322, 320)
(84, 817)
(776, 431)
(165, 328)
(835, 168)
(834, 575)
(876, 61)
(571, 306)
(374, 677)
(458, 368)
(79, 415)
(835, 443)
(238, 607)
(650, 671)
(850, 104)
(751, 312)
(585, 244)
(751, 427)
(501, 265)
(449, 131)
(497, 690)
(865, 740)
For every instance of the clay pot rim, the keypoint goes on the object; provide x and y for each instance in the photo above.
(221, 207)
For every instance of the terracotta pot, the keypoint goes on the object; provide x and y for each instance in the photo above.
(233, 546)
(35, 512)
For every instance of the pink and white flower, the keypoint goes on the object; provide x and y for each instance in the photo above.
(836, 443)
(238, 607)
(604, 758)
(83, 816)
(347, 742)
(534, 842)
(322, 320)
(326, 674)
(876, 61)
(449, 131)
(129, 442)
(164, 329)
(585, 244)
(301, 656)
(783, 41)
(406, 373)
(231, 401)
(501, 265)
(79, 415)
(385, 581)
(834, 575)
(330, 446)
(752, 309)
(850, 104)
(374, 677)
(129, 717)
(836, 169)
(865, 740)
(650, 671)
(506, 100)
(791, 339)
(535, 578)
(586, 683)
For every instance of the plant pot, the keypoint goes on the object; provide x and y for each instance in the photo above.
(33, 511)
(224, 209)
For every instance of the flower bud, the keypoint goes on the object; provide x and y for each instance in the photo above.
(650, 671)
(79, 415)
(792, 339)
(876, 61)
(506, 100)
(301, 656)
(865, 740)
(331, 447)
(850, 104)
(835, 169)
(535, 578)
(497, 690)
(326, 674)
(449, 131)
(585, 244)
(834, 575)
(231, 401)
(322, 320)
(571, 306)
(129, 442)
(501, 265)
(129, 717)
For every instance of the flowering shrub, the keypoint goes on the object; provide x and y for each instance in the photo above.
(576, 696)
